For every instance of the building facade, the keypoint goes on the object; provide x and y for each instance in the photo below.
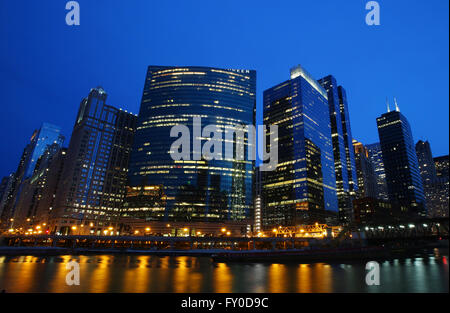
(48, 134)
(302, 188)
(34, 188)
(95, 171)
(426, 163)
(376, 158)
(344, 161)
(441, 165)
(194, 188)
(5, 189)
(439, 202)
(372, 211)
(403, 178)
(367, 183)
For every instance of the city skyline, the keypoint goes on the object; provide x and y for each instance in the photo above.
(54, 97)
(215, 155)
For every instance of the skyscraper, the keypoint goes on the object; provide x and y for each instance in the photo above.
(302, 188)
(400, 163)
(95, 172)
(367, 184)
(426, 162)
(34, 188)
(257, 217)
(348, 140)
(344, 162)
(47, 135)
(440, 189)
(442, 166)
(5, 189)
(191, 189)
(376, 158)
(427, 171)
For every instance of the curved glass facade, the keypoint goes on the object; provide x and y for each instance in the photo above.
(161, 188)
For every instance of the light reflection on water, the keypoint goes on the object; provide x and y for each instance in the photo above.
(133, 273)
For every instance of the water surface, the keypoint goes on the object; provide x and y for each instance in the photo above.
(426, 272)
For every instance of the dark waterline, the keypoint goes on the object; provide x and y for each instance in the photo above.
(427, 272)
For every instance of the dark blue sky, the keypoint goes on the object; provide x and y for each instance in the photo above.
(47, 67)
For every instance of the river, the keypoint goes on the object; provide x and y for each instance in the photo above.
(426, 272)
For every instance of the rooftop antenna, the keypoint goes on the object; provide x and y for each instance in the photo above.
(387, 104)
(396, 106)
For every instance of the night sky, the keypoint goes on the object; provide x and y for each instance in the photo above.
(47, 67)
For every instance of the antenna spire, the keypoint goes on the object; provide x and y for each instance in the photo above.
(387, 104)
(396, 105)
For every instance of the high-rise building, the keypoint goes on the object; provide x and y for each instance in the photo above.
(367, 183)
(403, 178)
(348, 140)
(5, 189)
(257, 219)
(427, 171)
(376, 158)
(442, 166)
(193, 188)
(344, 161)
(47, 135)
(439, 202)
(33, 189)
(96, 167)
(426, 163)
(302, 188)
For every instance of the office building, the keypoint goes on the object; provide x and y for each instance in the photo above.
(46, 135)
(403, 178)
(441, 165)
(439, 202)
(367, 183)
(302, 188)
(5, 189)
(376, 158)
(344, 160)
(426, 163)
(193, 188)
(372, 211)
(95, 172)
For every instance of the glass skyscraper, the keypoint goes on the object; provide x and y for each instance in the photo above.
(426, 162)
(48, 134)
(376, 157)
(344, 160)
(302, 188)
(367, 184)
(193, 189)
(403, 178)
(348, 140)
